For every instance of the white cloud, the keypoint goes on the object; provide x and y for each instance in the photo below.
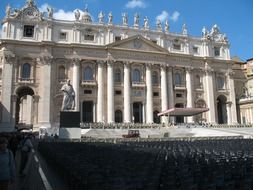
(136, 3)
(60, 14)
(174, 17)
(163, 16)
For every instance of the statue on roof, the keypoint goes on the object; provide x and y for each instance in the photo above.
(184, 29)
(101, 17)
(136, 19)
(110, 17)
(8, 11)
(77, 15)
(204, 32)
(30, 3)
(167, 26)
(124, 19)
(159, 25)
(146, 25)
(50, 12)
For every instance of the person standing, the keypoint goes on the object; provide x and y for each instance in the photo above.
(7, 165)
(26, 149)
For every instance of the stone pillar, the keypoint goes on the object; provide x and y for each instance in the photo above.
(100, 93)
(149, 98)
(35, 113)
(127, 94)
(189, 92)
(9, 60)
(110, 93)
(76, 82)
(171, 92)
(14, 104)
(45, 102)
(210, 96)
(232, 97)
(164, 97)
(229, 119)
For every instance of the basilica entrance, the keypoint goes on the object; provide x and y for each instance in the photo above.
(24, 113)
(221, 109)
(87, 111)
(137, 112)
(179, 119)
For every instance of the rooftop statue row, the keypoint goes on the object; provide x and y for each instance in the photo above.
(30, 11)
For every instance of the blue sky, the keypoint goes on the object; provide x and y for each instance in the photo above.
(234, 17)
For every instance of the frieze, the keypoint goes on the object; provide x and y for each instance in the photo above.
(138, 57)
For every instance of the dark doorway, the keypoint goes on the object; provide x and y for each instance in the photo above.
(24, 106)
(179, 119)
(118, 116)
(156, 117)
(88, 112)
(137, 112)
(222, 109)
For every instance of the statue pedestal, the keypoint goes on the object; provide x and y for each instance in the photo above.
(70, 125)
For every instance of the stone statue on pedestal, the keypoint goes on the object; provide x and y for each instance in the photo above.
(77, 15)
(110, 17)
(68, 102)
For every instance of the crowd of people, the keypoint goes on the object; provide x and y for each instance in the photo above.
(10, 145)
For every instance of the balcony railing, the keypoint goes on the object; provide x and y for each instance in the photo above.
(180, 86)
(138, 84)
(89, 83)
(26, 80)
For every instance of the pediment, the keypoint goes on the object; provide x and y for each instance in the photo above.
(137, 43)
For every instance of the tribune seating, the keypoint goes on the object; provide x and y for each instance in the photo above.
(184, 164)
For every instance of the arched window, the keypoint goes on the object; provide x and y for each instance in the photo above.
(118, 116)
(26, 70)
(155, 78)
(61, 73)
(88, 75)
(136, 75)
(117, 76)
(221, 82)
(178, 80)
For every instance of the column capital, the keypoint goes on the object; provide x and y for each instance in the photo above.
(101, 62)
(189, 69)
(76, 61)
(9, 56)
(45, 59)
(36, 98)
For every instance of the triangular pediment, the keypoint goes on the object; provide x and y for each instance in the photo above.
(137, 43)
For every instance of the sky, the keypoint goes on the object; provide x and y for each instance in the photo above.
(234, 17)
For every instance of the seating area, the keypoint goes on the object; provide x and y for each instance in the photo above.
(175, 164)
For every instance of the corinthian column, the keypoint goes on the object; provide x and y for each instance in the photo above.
(189, 92)
(100, 94)
(127, 92)
(45, 103)
(210, 95)
(110, 93)
(164, 96)
(149, 102)
(232, 98)
(76, 82)
(171, 92)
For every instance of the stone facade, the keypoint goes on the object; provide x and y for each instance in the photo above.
(120, 73)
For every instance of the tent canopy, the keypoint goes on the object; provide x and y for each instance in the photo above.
(183, 111)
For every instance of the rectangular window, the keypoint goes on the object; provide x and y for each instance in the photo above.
(87, 91)
(118, 92)
(154, 41)
(179, 95)
(195, 49)
(155, 94)
(63, 36)
(117, 38)
(28, 31)
(89, 37)
(216, 51)
(177, 46)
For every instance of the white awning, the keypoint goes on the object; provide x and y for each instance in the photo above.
(183, 111)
